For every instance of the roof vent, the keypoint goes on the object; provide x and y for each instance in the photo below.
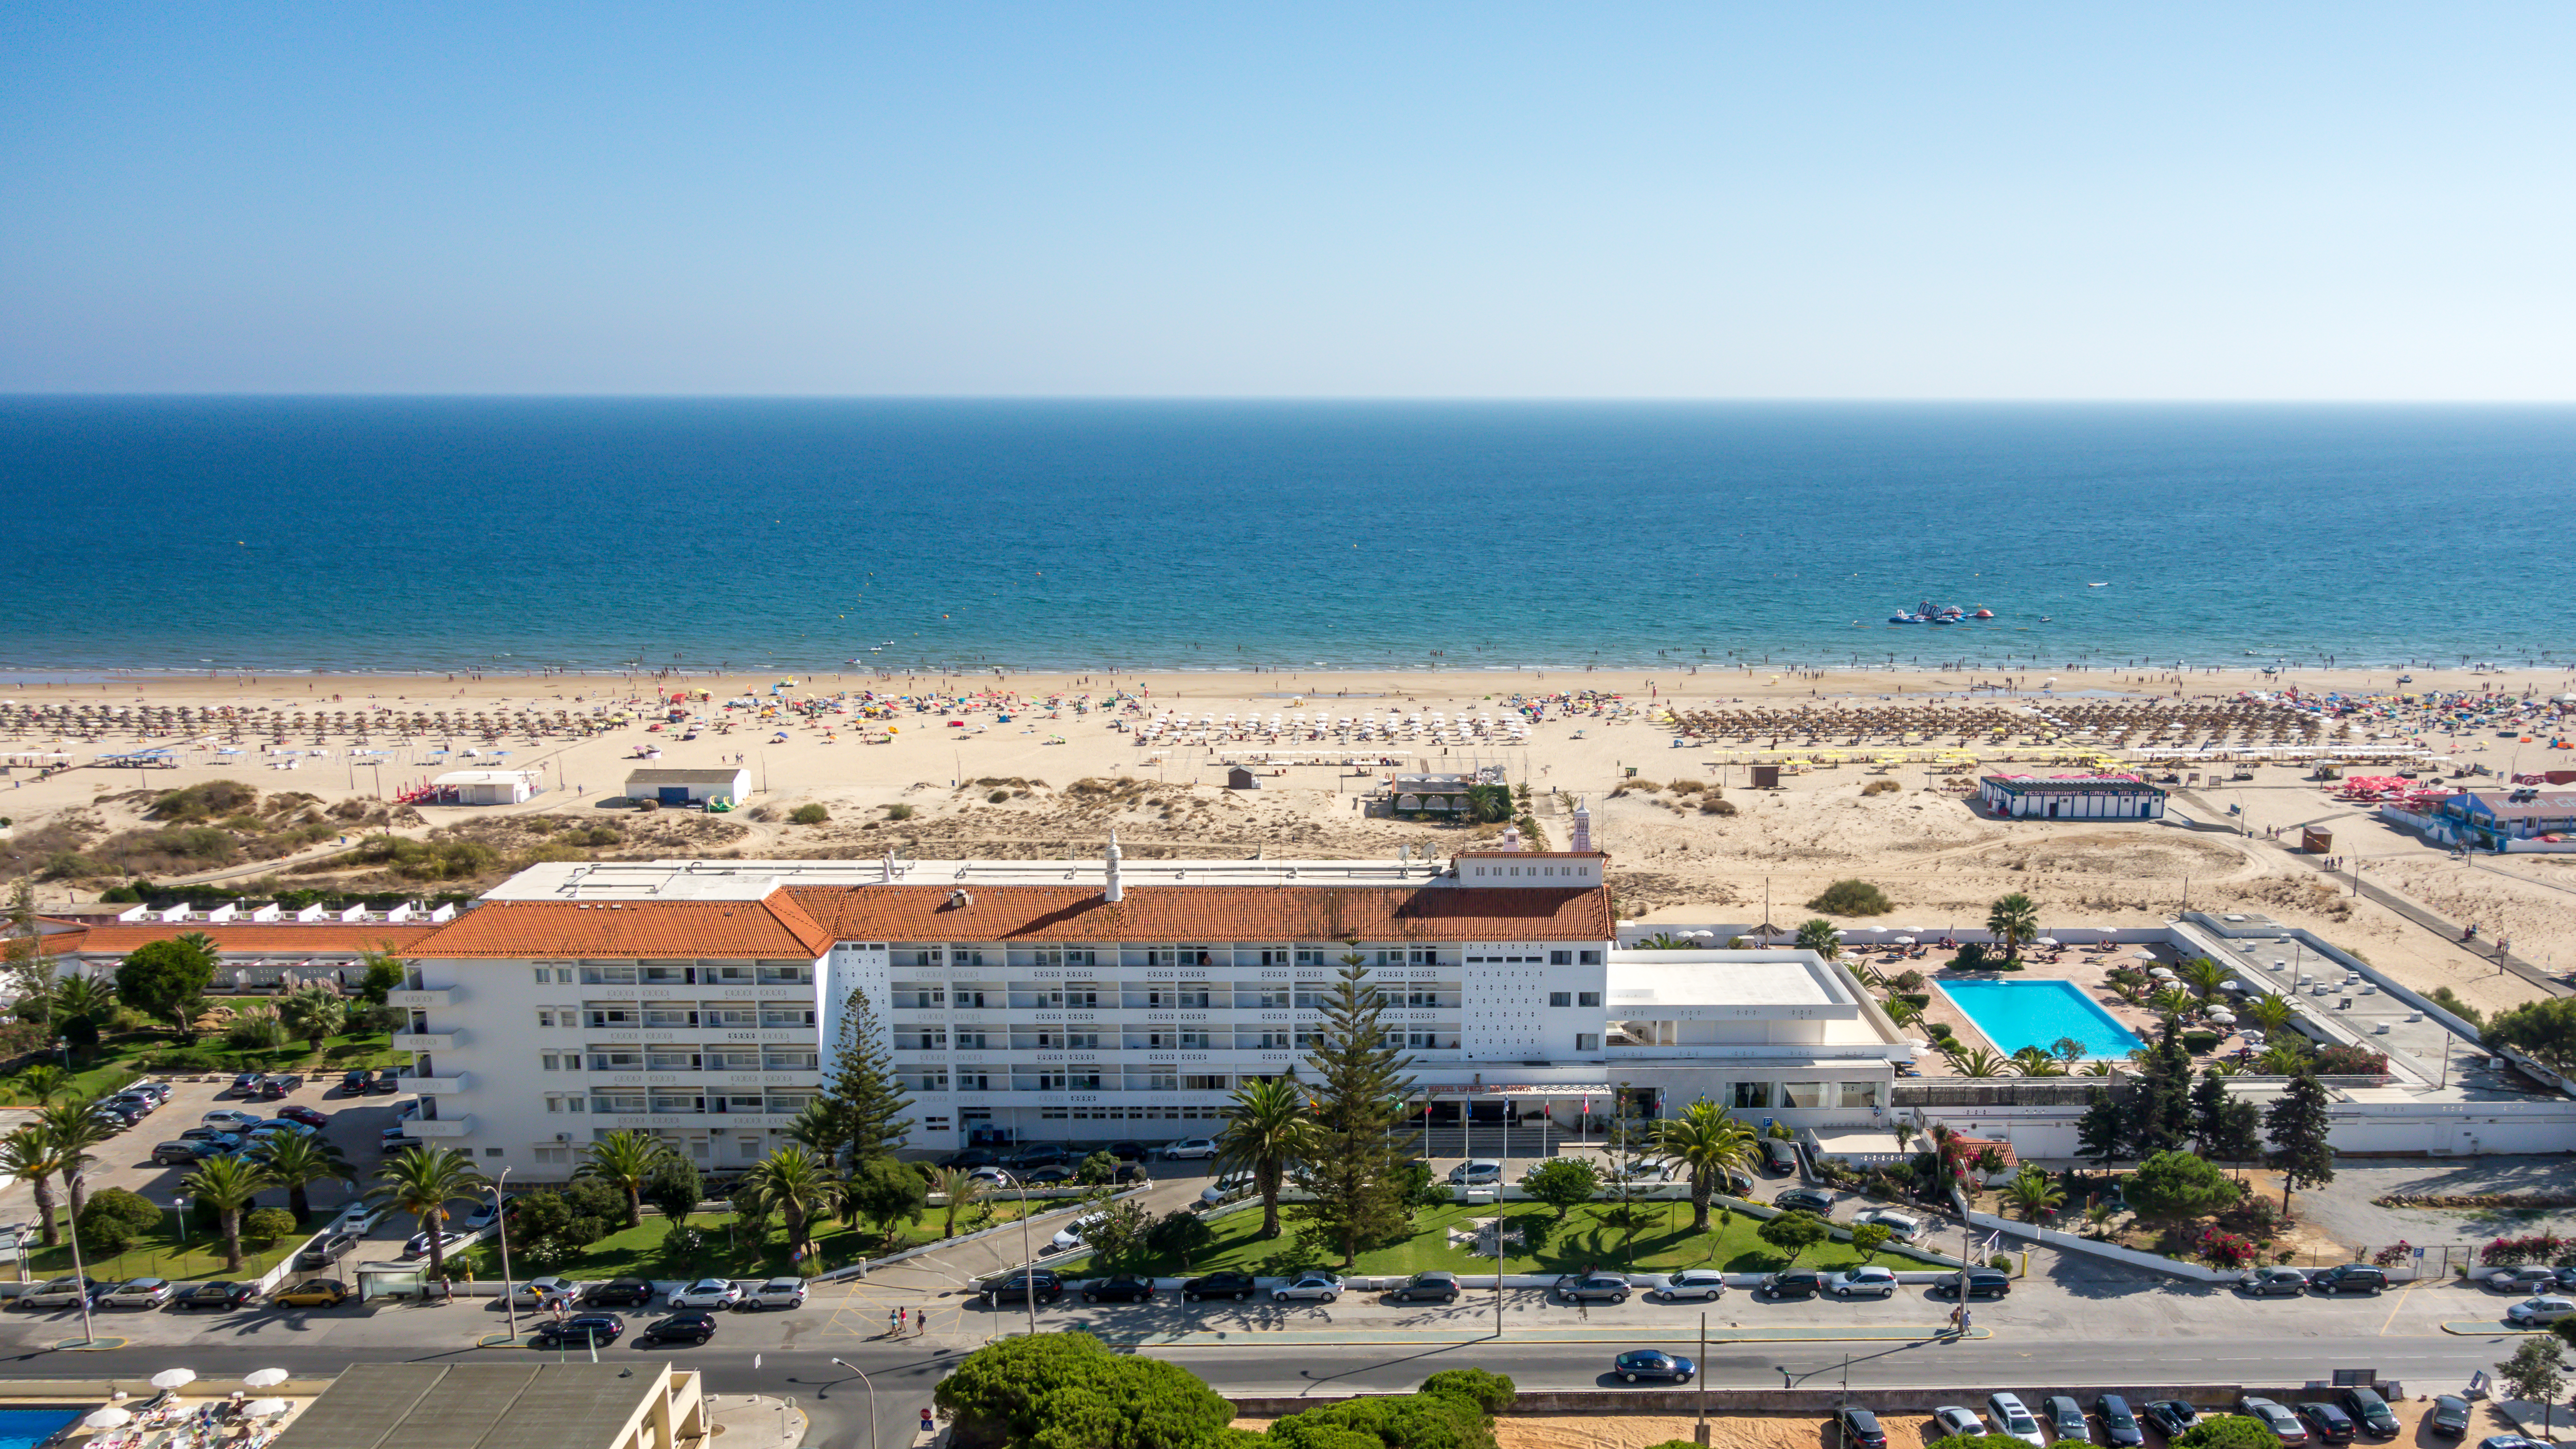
(960, 898)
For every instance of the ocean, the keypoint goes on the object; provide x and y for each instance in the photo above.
(438, 534)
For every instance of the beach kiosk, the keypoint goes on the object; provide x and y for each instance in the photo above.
(483, 787)
(681, 788)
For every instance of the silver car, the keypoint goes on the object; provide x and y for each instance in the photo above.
(140, 1293)
(1703, 1283)
(1863, 1283)
(1321, 1287)
(777, 1293)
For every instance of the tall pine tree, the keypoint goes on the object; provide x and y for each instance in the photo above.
(2298, 1126)
(865, 1098)
(1350, 1166)
(2224, 1127)
(2160, 1117)
(2102, 1130)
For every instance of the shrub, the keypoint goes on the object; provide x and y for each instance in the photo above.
(997, 797)
(1491, 1392)
(263, 1226)
(2228, 1431)
(2001, 1262)
(810, 814)
(1972, 957)
(1851, 898)
(1686, 787)
(1068, 1389)
(1941, 1029)
(647, 802)
(2197, 1042)
(1880, 787)
(189, 1059)
(1712, 805)
(898, 812)
(257, 1030)
(2225, 1249)
(124, 1204)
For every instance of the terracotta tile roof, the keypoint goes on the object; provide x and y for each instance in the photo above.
(1209, 913)
(291, 940)
(776, 928)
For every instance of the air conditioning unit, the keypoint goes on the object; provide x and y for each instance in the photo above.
(563, 1137)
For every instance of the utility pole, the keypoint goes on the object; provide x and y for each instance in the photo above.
(1700, 1379)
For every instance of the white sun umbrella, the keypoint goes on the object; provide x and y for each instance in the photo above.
(174, 1378)
(2047, 941)
(2223, 1018)
(264, 1378)
(108, 1418)
(264, 1408)
(1902, 941)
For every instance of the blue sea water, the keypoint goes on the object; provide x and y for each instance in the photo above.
(188, 533)
(2016, 1014)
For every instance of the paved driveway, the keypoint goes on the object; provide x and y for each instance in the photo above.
(2344, 1208)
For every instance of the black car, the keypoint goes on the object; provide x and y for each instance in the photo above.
(2349, 1278)
(2371, 1412)
(1805, 1199)
(1650, 1363)
(217, 1295)
(1014, 1290)
(970, 1158)
(1859, 1429)
(588, 1328)
(384, 1083)
(2170, 1416)
(694, 1327)
(1127, 1151)
(1795, 1283)
(1427, 1288)
(2327, 1423)
(622, 1293)
(2450, 1416)
(1982, 1283)
(274, 1088)
(1039, 1156)
(354, 1081)
(324, 1252)
(1219, 1285)
(1053, 1172)
(1119, 1288)
(2119, 1427)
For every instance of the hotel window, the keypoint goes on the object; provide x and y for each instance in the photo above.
(738, 1102)
(1204, 1083)
(740, 1059)
(1587, 998)
(671, 1060)
(616, 1059)
(1588, 958)
(1163, 1082)
(1806, 1094)
(785, 973)
(1309, 955)
(975, 1082)
(930, 1041)
(973, 1041)
(1860, 1094)
(920, 955)
(555, 1154)
(668, 974)
(928, 997)
(970, 998)
(790, 1102)
(1752, 1094)
(1423, 956)
(1587, 1041)
(1194, 1041)
(614, 1016)
(620, 975)
(1271, 996)
(541, 976)
(787, 1059)
(551, 1061)
(1560, 998)
(729, 1014)
(617, 1101)
(670, 1016)
(784, 1015)
(965, 955)
(934, 1082)
(1560, 958)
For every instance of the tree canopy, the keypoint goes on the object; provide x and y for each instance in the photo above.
(863, 1090)
(2544, 1031)
(1563, 1183)
(1068, 1391)
(2177, 1185)
(2228, 1431)
(166, 980)
(1359, 1084)
(2298, 1123)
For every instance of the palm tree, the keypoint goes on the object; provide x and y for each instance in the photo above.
(88, 1000)
(2032, 1193)
(201, 943)
(1979, 1062)
(2013, 920)
(2271, 1013)
(422, 1181)
(1904, 1129)
(2098, 1067)
(2098, 1218)
(1703, 1138)
(820, 1126)
(2172, 1001)
(228, 1185)
(1822, 937)
(2035, 1062)
(314, 1013)
(31, 1157)
(959, 1187)
(75, 1125)
(2279, 1061)
(1903, 1012)
(293, 1162)
(44, 1081)
(1265, 1126)
(625, 1159)
(796, 1182)
(2129, 983)
(2202, 975)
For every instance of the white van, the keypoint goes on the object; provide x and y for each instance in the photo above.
(1900, 1226)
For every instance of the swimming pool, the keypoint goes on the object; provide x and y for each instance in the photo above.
(27, 1428)
(2016, 1014)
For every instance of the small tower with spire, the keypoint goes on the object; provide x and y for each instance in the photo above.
(1115, 891)
(1582, 842)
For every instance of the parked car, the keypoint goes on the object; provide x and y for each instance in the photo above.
(2014, 1419)
(1703, 1283)
(2274, 1282)
(2450, 1416)
(2567, 1279)
(1070, 1235)
(622, 1293)
(1865, 1282)
(1793, 1283)
(323, 1252)
(397, 1142)
(158, 1091)
(139, 1293)
(2528, 1279)
(280, 1127)
(1015, 1288)
(1858, 1429)
(221, 1295)
(1591, 1288)
(2065, 1419)
(229, 1119)
(485, 1214)
(1653, 1363)
(775, 1293)
(354, 1081)
(276, 1088)
(1237, 1286)
(1119, 1288)
(2535, 1312)
(547, 1291)
(707, 1293)
(1780, 1157)
(1738, 1182)
(2326, 1423)
(1226, 1188)
(972, 1157)
(582, 1329)
(1982, 1283)
(692, 1327)
(2371, 1412)
(1039, 1156)
(1189, 1149)
(1952, 1419)
(298, 1112)
(313, 1293)
(243, 1082)
(1320, 1287)
(1048, 1176)
(1130, 1174)
(2349, 1278)
(1805, 1199)
(1476, 1172)
(178, 1154)
(2170, 1416)
(997, 1176)
(418, 1245)
(211, 1134)
(1432, 1287)
(2119, 1426)
(1128, 1151)
(65, 1293)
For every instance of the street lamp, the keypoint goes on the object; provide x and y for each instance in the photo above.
(872, 1399)
(179, 1208)
(501, 1224)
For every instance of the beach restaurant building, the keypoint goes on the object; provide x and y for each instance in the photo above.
(1028, 1001)
(2072, 797)
(2486, 819)
(728, 783)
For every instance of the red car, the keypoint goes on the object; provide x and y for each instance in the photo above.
(298, 1112)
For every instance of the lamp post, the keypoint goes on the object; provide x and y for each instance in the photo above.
(872, 1399)
(1028, 1256)
(80, 1277)
(179, 1207)
(501, 1224)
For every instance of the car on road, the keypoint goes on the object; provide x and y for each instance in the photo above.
(1652, 1363)
(1038, 1156)
(1318, 1287)
(1591, 1288)
(1858, 1428)
(65, 1293)
(221, 1295)
(298, 1112)
(1128, 1151)
(2065, 1419)
(418, 1244)
(775, 1293)
(547, 1291)
(1805, 1199)
(708, 1293)
(2015, 1420)
(1476, 1172)
(2450, 1416)
(2275, 1416)
(1433, 1287)
(622, 1293)
(1793, 1283)
(313, 1293)
(139, 1293)
(1230, 1186)
(2284, 1282)
(2371, 1412)
(972, 1157)
(1703, 1283)
(323, 1252)
(1070, 1235)
(1189, 1149)
(1014, 1289)
(1119, 1288)
(689, 1327)
(2567, 1279)
(485, 1213)
(1219, 1285)
(2350, 1278)
(2536, 1312)
(1866, 1282)
(1982, 1283)
(2170, 1416)
(2326, 1423)
(1952, 1419)
(2527, 1279)
(2119, 1426)
(587, 1328)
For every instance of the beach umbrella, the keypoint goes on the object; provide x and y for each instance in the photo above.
(174, 1378)
(264, 1408)
(2223, 1018)
(107, 1418)
(268, 1378)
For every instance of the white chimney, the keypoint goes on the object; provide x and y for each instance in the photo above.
(1582, 842)
(1115, 890)
(1511, 837)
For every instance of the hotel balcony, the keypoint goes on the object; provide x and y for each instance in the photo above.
(427, 1041)
(425, 1127)
(434, 999)
(446, 1086)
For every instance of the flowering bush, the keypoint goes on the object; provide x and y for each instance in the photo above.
(2225, 1249)
(2394, 1254)
(2538, 1248)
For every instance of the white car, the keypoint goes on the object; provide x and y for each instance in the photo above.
(1322, 1287)
(777, 1293)
(994, 1175)
(1902, 1227)
(1703, 1283)
(1190, 1147)
(2544, 1309)
(1955, 1421)
(140, 1293)
(548, 1291)
(227, 1118)
(1863, 1283)
(1227, 1188)
(708, 1293)
(2012, 1418)
(1070, 1235)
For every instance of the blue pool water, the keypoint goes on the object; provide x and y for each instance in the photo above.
(2016, 1014)
(27, 1428)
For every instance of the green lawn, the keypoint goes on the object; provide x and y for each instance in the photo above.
(637, 1252)
(122, 1058)
(159, 1255)
(1664, 1243)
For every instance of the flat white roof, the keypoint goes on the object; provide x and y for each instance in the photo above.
(1858, 1144)
(750, 880)
(1686, 985)
(482, 777)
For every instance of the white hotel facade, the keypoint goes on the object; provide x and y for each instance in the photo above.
(1027, 1001)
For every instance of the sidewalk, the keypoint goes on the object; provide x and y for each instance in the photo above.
(756, 1421)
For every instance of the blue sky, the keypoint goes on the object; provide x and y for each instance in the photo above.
(1488, 200)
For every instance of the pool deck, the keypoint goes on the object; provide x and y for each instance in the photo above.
(2083, 968)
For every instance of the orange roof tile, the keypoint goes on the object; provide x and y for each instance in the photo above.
(777, 928)
(258, 939)
(1209, 913)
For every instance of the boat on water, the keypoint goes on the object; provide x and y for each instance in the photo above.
(1983, 614)
(2098, 586)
